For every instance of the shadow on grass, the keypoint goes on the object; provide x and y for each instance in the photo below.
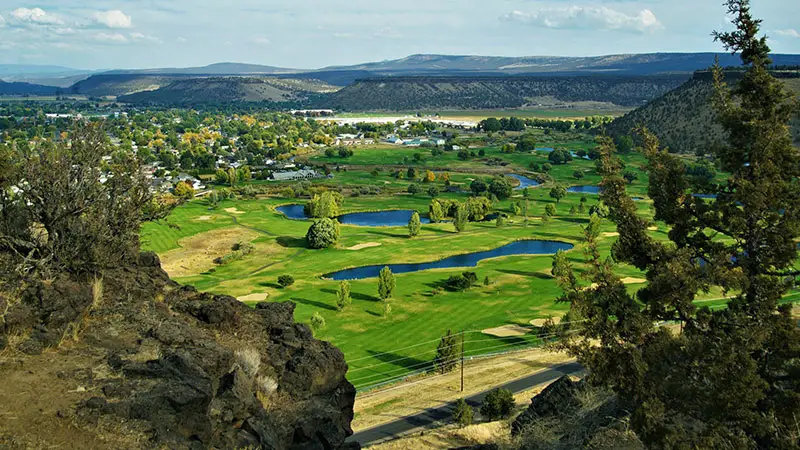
(314, 303)
(271, 285)
(538, 275)
(394, 359)
(291, 242)
(437, 230)
(573, 219)
(373, 313)
(353, 295)
(385, 233)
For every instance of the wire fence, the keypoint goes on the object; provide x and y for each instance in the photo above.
(415, 360)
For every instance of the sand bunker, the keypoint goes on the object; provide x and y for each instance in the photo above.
(203, 218)
(541, 322)
(631, 280)
(365, 245)
(257, 297)
(233, 211)
(612, 234)
(507, 331)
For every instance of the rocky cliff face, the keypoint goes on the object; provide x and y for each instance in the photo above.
(137, 361)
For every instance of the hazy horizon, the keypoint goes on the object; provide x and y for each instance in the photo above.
(310, 34)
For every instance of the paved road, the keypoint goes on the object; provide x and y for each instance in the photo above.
(430, 417)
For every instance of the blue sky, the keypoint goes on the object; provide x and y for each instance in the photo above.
(97, 34)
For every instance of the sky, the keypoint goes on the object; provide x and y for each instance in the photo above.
(119, 34)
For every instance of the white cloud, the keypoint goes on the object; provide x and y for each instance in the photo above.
(35, 16)
(110, 37)
(112, 19)
(588, 17)
(260, 41)
(181, 39)
(2, 22)
(790, 32)
(139, 37)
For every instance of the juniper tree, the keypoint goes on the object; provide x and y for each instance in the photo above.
(447, 353)
(413, 225)
(729, 378)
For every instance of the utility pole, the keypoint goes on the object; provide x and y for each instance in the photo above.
(462, 360)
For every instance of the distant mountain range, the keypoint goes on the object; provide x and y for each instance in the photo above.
(454, 82)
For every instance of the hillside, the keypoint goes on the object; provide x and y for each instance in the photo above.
(683, 118)
(409, 93)
(229, 89)
(102, 85)
(17, 88)
(629, 64)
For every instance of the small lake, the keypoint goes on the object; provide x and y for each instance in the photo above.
(393, 218)
(584, 189)
(527, 247)
(524, 181)
(294, 212)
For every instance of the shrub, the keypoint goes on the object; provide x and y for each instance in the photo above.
(463, 413)
(413, 189)
(317, 322)
(457, 283)
(578, 174)
(498, 404)
(249, 360)
(387, 309)
(323, 233)
(501, 221)
(285, 280)
(471, 277)
(433, 191)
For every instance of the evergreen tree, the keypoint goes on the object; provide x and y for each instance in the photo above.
(461, 218)
(730, 378)
(386, 283)
(413, 225)
(435, 211)
(463, 413)
(343, 299)
(447, 353)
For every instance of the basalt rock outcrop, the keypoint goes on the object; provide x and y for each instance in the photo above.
(153, 364)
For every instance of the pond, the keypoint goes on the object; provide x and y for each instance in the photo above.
(584, 189)
(393, 218)
(524, 181)
(294, 212)
(526, 247)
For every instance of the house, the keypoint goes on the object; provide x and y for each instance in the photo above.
(304, 174)
(196, 184)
